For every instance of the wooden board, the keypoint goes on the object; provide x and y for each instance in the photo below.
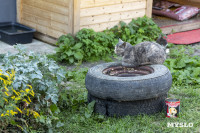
(113, 8)
(54, 18)
(97, 3)
(45, 22)
(49, 17)
(76, 16)
(149, 8)
(107, 25)
(43, 29)
(48, 6)
(65, 3)
(103, 14)
(112, 17)
(187, 2)
(180, 27)
(45, 38)
(19, 10)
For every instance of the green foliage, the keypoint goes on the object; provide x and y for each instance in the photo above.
(75, 120)
(89, 110)
(16, 107)
(72, 99)
(43, 74)
(137, 31)
(88, 45)
(77, 75)
(185, 68)
(96, 44)
(69, 50)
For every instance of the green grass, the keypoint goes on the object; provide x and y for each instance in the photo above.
(76, 122)
(74, 112)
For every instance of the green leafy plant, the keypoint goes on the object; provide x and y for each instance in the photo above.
(137, 31)
(69, 50)
(185, 68)
(96, 45)
(77, 75)
(88, 45)
(16, 107)
(43, 74)
(71, 99)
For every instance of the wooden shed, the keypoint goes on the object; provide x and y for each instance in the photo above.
(53, 18)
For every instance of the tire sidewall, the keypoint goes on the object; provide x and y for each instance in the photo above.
(128, 88)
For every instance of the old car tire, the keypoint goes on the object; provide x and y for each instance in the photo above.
(114, 108)
(143, 87)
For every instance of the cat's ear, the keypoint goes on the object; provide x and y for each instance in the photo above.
(124, 44)
(120, 41)
(162, 41)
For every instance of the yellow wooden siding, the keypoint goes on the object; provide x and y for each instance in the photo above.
(57, 17)
(102, 14)
(47, 16)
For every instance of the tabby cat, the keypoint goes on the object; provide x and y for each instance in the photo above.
(145, 53)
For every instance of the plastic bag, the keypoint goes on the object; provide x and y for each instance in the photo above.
(180, 13)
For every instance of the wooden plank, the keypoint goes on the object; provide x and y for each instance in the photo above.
(76, 14)
(128, 1)
(45, 22)
(181, 27)
(112, 17)
(71, 17)
(45, 38)
(187, 2)
(47, 6)
(113, 8)
(29, 23)
(58, 2)
(46, 14)
(19, 10)
(43, 29)
(149, 8)
(195, 1)
(95, 3)
(104, 26)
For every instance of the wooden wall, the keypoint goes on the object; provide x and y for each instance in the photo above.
(57, 17)
(103, 14)
(50, 17)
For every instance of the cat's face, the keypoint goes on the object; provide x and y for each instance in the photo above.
(120, 48)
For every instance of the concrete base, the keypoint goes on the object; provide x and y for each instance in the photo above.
(36, 46)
